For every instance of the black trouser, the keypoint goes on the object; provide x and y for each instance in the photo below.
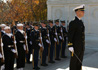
(58, 48)
(44, 55)
(1, 63)
(9, 61)
(29, 52)
(51, 52)
(35, 57)
(21, 57)
(63, 48)
(75, 64)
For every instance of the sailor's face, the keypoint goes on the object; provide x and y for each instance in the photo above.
(63, 24)
(51, 24)
(8, 30)
(36, 27)
(57, 23)
(43, 25)
(80, 13)
(20, 27)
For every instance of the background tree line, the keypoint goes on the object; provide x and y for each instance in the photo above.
(23, 10)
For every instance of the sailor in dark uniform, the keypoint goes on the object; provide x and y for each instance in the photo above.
(52, 36)
(28, 31)
(45, 43)
(8, 49)
(64, 34)
(2, 33)
(58, 46)
(35, 37)
(76, 39)
(20, 39)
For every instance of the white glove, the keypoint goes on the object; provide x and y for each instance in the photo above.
(30, 42)
(21, 41)
(47, 34)
(55, 33)
(48, 41)
(13, 50)
(61, 30)
(24, 47)
(1, 55)
(1, 44)
(40, 38)
(55, 39)
(25, 37)
(60, 37)
(71, 49)
(3, 67)
(40, 45)
(15, 42)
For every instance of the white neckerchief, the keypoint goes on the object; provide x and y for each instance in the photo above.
(44, 27)
(57, 25)
(9, 34)
(62, 26)
(21, 31)
(28, 28)
(3, 31)
(36, 30)
(51, 27)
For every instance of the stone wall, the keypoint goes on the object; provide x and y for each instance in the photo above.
(63, 9)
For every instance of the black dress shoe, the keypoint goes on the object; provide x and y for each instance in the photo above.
(34, 68)
(51, 61)
(44, 64)
(63, 56)
(58, 59)
(37, 68)
(29, 62)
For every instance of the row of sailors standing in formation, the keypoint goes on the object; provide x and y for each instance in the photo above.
(41, 41)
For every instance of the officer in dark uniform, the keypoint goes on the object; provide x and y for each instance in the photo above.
(8, 49)
(76, 39)
(28, 31)
(64, 33)
(20, 39)
(35, 37)
(52, 36)
(45, 43)
(58, 46)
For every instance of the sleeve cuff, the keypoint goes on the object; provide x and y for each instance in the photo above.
(70, 44)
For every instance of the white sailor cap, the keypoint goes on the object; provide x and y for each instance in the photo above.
(19, 24)
(81, 7)
(2, 25)
(7, 27)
